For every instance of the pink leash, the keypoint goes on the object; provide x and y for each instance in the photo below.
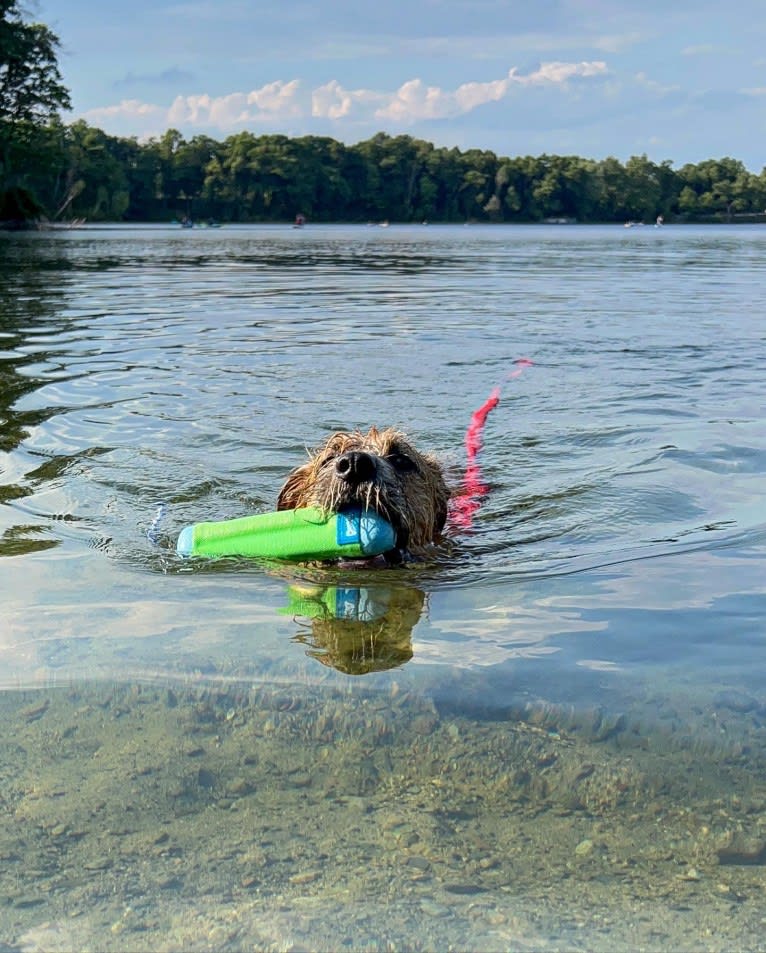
(468, 500)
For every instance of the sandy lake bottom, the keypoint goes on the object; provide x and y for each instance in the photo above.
(172, 817)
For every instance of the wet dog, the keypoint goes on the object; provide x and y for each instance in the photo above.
(379, 470)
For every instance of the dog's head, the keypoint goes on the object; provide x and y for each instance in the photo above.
(379, 470)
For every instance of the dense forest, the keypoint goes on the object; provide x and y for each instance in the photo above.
(52, 171)
(83, 173)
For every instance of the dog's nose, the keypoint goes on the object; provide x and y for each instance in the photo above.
(356, 466)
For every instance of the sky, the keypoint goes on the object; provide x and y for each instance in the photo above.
(673, 79)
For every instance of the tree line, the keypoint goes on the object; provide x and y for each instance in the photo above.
(79, 172)
(56, 171)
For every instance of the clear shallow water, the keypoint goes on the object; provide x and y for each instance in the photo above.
(609, 594)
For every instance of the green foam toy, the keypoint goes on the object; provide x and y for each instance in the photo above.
(299, 535)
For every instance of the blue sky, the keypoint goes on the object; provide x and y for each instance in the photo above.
(674, 79)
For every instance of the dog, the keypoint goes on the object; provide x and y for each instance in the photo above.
(379, 470)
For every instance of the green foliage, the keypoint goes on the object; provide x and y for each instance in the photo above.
(81, 172)
(94, 184)
(31, 93)
(30, 82)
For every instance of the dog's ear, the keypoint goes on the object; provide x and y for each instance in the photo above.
(293, 489)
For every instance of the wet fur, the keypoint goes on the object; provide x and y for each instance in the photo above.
(379, 470)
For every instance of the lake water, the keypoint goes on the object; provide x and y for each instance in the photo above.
(552, 736)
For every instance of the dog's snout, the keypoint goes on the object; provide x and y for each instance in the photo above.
(356, 466)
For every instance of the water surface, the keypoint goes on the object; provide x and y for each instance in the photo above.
(549, 736)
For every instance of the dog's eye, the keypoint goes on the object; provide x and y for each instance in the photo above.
(401, 462)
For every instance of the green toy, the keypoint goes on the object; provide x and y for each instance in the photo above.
(297, 535)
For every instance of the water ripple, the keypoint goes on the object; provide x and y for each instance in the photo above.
(140, 365)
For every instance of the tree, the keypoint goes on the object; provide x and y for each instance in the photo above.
(95, 183)
(720, 188)
(31, 95)
(479, 170)
(31, 89)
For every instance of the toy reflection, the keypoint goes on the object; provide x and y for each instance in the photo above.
(357, 630)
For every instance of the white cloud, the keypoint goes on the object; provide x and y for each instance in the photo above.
(470, 95)
(127, 109)
(415, 101)
(275, 100)
(198, 110)
(278, 97)
(332, 101)
(559, 73)
(280, 100)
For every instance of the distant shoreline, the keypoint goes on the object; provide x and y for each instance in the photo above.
(11, 227)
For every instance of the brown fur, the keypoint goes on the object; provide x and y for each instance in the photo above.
(379, 470)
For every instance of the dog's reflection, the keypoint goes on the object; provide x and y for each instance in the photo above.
(357, 630)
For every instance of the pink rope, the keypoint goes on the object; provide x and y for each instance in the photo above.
(468, 500)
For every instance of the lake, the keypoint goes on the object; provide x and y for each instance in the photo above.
(550, 736)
